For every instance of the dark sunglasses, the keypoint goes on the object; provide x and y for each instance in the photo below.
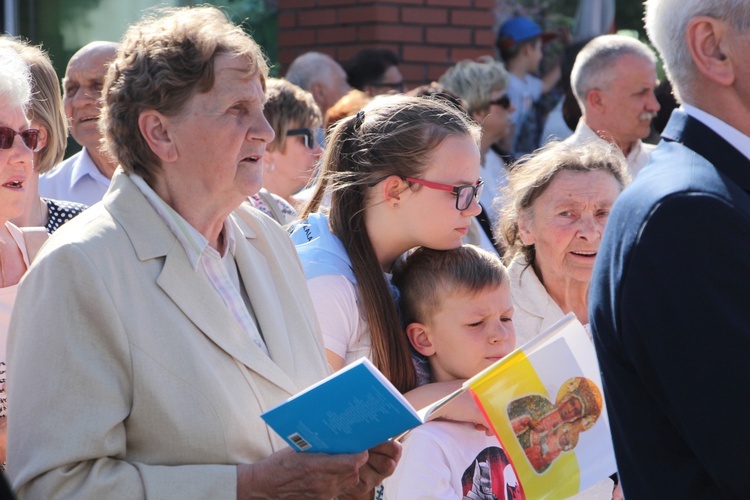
(464, 194)
(30, 137)
(503, 102)
(308, 136)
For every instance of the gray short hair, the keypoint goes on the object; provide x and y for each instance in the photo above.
(592, 67)
(474, 82)
(15, 79)
(309, 68)
(666, 24)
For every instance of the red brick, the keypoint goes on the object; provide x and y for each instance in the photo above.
(295, 4)
(412, 72)
(346, 34)
(286, 56)
(485, 4)
(396, 33)
(421, 53)
(424, 15)
(287, 19)
(450, 3)
(331, 3)
(468, 53)
(405, 2)
(346, 52)
(435, 71)
(484, 38)
(318, 17)
(449, 36)
(472, 18)
(369, 14)
(296, 38)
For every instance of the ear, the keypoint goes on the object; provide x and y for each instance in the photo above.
(317, 90)
(155, 130)
(708, 41)
(524, 229)
(595, 100)
(420, 340)
(479, 116)
(43, 136)
(392, 189)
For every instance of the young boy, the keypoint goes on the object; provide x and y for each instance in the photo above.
(519, 41)
(458, 311)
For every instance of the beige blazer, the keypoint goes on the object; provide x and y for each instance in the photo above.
(129, 378)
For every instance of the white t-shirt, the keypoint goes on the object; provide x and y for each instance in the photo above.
(342, 321)
(450, 460)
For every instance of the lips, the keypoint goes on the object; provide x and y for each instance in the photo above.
(14, 184)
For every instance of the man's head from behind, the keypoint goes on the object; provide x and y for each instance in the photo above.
(613, 79)
(82, 90)
(682, 31)
(320, 75)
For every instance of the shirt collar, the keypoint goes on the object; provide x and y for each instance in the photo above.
(737, 139)
(194, 243)
(85, 166)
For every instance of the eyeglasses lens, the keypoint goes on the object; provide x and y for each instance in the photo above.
(30, 137)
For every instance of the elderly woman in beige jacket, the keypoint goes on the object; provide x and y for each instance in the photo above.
(172, 321)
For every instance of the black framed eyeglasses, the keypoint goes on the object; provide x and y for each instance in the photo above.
(503, 102)
(464, 194)
(30, 137)
(308, 136)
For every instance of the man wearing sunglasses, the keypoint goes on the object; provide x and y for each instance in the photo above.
(613, 79)
(85, 176)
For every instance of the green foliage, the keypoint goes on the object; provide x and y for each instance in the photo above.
(259, 19)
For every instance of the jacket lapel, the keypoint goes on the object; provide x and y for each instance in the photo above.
(191, 293)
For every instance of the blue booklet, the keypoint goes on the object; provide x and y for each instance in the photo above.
(351, 411)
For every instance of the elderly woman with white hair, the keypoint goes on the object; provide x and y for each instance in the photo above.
(17, 145)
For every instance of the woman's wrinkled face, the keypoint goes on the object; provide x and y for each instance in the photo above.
(15, 163)
(565, 224)
(221, 137)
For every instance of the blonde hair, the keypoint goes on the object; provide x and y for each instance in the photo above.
(287, 105)
(163, 61)
(474, 82)
(532, 174)
(45, 107)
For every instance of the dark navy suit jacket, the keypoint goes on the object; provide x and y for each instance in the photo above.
(670, 313)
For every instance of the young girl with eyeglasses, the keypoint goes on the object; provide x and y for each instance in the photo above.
(402, 173)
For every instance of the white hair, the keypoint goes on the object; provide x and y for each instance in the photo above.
(593, 65)
(310, 68)
(666, 24)
(15, 79)
(474, 82)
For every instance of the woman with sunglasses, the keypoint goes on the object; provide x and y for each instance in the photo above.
(17, 145)
(401, 173)
(290, 159)
(47, 115)
(482, 87)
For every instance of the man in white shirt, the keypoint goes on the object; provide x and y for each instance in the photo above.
(613, 79)
(85, 176)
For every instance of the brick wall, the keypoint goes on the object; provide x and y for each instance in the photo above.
(428, 35)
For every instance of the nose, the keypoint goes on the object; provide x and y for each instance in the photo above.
(473, 209)
(589, 228)
(652, 104)
(20, 154)
(260, 130)
(501, 332)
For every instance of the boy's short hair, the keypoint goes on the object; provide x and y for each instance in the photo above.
(426, 274)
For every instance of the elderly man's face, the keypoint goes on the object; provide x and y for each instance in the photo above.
(219, 139)
(629, 101)
(82, 89)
